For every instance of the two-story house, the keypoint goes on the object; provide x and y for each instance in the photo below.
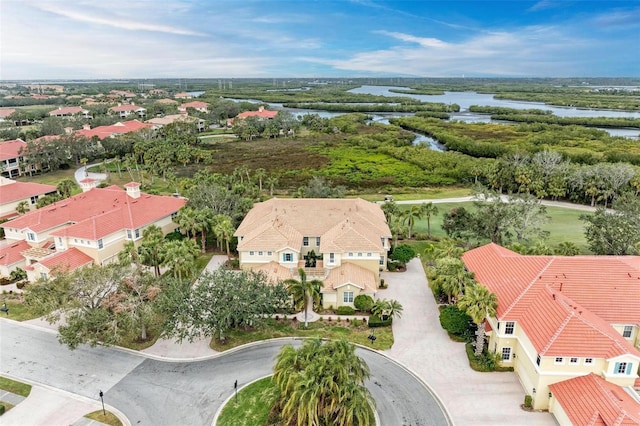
(13, 193)
(124, 111)
(342, 242)
(70, 111)
(197, 105)
(91, 227)
(562, 317)
(11, 157)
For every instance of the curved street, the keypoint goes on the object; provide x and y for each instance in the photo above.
(154, 392)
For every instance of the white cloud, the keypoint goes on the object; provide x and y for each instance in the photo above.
(112, 21)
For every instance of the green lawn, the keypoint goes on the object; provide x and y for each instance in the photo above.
(12, 386)
(252, 408)
(323, 329)
(108, 419)
(51, 178)
(564, 225)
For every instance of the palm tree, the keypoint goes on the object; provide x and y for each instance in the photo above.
(397, 227)
(223, 229)
(151, 249)
(479, 303)
(180, 256)
(260, 174)
(322, 384)
(387, 309)
(428, 210)
(65, 188)
(567, 248)
(452, 276)
(187, 220)
(204, 222)
(271, 182)
(411, 216)
(22, 207)
(304, 291)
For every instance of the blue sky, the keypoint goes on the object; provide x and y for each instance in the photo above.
(68, 39)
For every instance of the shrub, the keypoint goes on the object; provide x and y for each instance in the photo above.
(403, 253)
(363, 302)
(20, 285)
(454, 320)
(346, 310)
(392, 266)
(528, 401)
(2, 409)
(375, 321)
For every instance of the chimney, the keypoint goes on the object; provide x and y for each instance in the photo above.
(88, 184)
(260, 108)
(68, 130)
(86, 126)
(133, 189)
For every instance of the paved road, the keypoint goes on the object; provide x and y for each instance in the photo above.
(547, 203)
(151, 392)
(82, 173)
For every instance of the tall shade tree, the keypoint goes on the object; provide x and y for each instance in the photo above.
(204, 222)
(101, 305)
(479, 303)
(322, 384)
(223, 300)
(614, 233)
(304, 292)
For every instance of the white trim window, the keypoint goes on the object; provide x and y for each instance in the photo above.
(317, 241)
(347, 297)
(558, 360)
(100, 244)
(574, 361)
(305, 241)
(287, 257)
(622, 368)
(628, 331)
(332, 258)
(31, 236)
(588, 361)
(506, 354)
(509, 327)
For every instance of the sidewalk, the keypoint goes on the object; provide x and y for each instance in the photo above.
(472, 398)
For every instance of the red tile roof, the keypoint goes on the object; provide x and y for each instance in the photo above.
(67, 111)
(116, 129)
(261, 113)
(11, 253)
(563, 303)
(15, 191)
(66, 260)
(591, 400)
(97, 213)
(4, 113)
(194, 104)
(10, 149)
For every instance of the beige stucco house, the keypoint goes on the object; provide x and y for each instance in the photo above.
(349, 237)
(91, 227)
(12, 193)
(562, 317)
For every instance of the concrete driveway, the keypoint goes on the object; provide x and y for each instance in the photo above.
(472, 398)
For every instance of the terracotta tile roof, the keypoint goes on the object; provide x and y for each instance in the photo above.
(72, 110)
(349, 273)
(563, 303)
(66, 260)
(98, 212)
(15, 191)
(12, 253)
(261, 113)
(167, 101)
(10, 149)
(194, 104)
(4, 113)
(363, 223)
(168, 119)
(591, 400)
(274, 271)
(116, 129)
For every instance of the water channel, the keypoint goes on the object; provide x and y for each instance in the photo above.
(465, 100)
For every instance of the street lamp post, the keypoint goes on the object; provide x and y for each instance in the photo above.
(235, 388)
(4, 308)
(102, 399)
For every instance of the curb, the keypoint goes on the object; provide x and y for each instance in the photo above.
(119, 414)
